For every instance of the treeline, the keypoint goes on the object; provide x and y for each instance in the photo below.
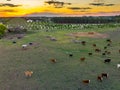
(87, 20)
(71, 20)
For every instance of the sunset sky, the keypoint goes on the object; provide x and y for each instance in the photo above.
(11, 8)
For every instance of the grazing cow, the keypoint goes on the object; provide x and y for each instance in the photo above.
(105, 51)
(107, 60)
(94, 45)
(109, 40)
(24, 46)
(28, 73)
(82, 59)
(53, 60)
(100, 78)
(14, 42)
(108, 44)
(89, 54)
(108, 53)
(118, 65)
(103, 54)
(30, 43)
(53, 39)
(83, 42)
(86, 81)
(105, 47)
(19, 37)
(104, 75)
(119, 50)
(70, 55)
(97, 50)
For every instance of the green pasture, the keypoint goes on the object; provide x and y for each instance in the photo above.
(68, 72)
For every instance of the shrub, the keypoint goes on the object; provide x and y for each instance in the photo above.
(2, 29)
(17, 30)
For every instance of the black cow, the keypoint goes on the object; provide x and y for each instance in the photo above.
(30, 43)
(105, 47)
(107, 60)
(83, 42)
(103, 54)
(89, 54)
(14, 42)
(70, 55)
(104, 75)
(109, 40)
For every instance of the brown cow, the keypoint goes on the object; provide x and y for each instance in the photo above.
(100, 78)
(97, 50)
(108, 44)
(86, 81)
(82, 59)
(119, 50)
(105, 51)
(83, 42)
(53, 60)
(109, 53)
(104, 75)
(28, 73)
(94, 45)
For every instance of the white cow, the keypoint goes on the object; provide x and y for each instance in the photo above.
(118, 65)
(29, 21)
(24, 46)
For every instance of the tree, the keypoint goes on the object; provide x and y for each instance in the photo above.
(2, 29)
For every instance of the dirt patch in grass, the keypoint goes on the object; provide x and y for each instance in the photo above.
(14, 36)
(89, 34)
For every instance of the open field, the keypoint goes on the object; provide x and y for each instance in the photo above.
(68, 72)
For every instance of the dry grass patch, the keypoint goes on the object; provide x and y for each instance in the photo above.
(89, 34)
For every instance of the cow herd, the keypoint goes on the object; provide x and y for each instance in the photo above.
(104, 52)
(100, 78)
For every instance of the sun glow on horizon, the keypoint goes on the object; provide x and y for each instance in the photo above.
(32, 7)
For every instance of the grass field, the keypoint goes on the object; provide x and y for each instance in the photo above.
(68, 72)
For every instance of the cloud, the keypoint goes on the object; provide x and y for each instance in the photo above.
(47, 14)
(8, 4)
(58, 7)
(101, 4)
(74, 8)
(78, 8)
(55, 3)
(97, 4)
(8, 10)
(109, 4)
